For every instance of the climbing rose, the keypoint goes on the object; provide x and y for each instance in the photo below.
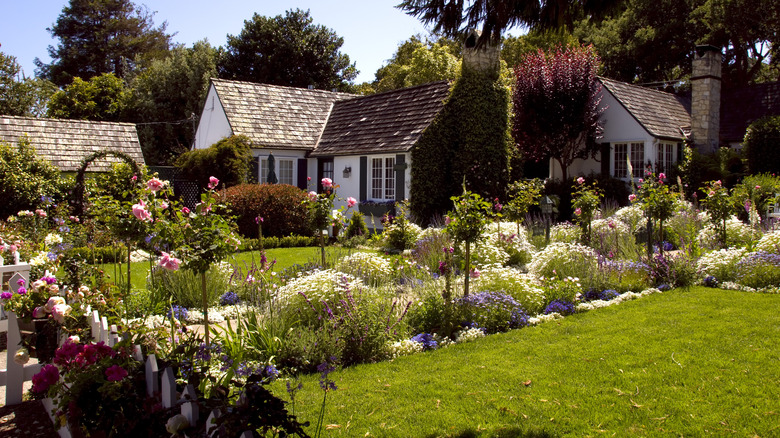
(140, 211)
(168, 262)
(155, 184)
(632, 197)
(580, 180)
(327, 182)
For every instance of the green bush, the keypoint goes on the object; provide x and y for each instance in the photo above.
(277, 242)
(762, 145)
(103, 254)
(228, 160)
(25, 178)
(280, 205)
(356, 226)
(183, 287)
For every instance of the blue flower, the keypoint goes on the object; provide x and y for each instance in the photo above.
(229, 298)
(664, 287)
(560, 306)
(177, 312)
(426, 339)
(710, 281)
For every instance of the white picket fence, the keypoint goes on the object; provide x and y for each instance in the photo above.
(160, 384)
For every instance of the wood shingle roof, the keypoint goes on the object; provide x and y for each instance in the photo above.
(662, 114)
(276, 116)
(65, 143)
(382, 123)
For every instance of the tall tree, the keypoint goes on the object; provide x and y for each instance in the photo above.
(417, 62)
(456, 17)
(287, 50)
(19, 95)
(101, 98)
(102, 36)
(556, 105)
(166, 99)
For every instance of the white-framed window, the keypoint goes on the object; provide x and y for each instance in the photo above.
(666, 156)
(327, 169)
(625, 152)
(382, 178)
(283, 168)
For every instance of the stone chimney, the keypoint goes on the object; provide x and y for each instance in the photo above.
(705, 98)
(485, 58)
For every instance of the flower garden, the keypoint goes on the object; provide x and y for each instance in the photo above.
(489, 268)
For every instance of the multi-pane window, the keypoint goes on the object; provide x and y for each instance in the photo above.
(327, 169)
(285, 173)
(629, 152)
(665, 157)
(383, 178)
(263, 171)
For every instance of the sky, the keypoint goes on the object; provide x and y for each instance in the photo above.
(372, 29)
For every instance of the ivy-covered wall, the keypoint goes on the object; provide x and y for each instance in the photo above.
(469, 138)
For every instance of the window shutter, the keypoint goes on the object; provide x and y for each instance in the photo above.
(680, 147)
(363, 178)
(400, 176)
(302, 170)
(605, 158)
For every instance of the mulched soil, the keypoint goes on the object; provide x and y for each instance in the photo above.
(28, 419)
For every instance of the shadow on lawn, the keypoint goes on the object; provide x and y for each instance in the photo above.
(512, 432)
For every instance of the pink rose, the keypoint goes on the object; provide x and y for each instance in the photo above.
(49, 375)
(661, 175)
(185, 210)
(351, 202)
(140, 211)
(134, 178)
(578, 211)
(758, 187)
(632, 197)
(213, 182)
(39, 312)
(40, 213)
(327, 182)
(580, 180)
(163, 205)
(308, 178)
(60, 311)
(168, 262)
(155, 184)
(312, 195)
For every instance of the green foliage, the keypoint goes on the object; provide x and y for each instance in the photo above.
(171, 90)
(720, 207)
(20, 95)
(106, 36)
(227, 160)
(183, 287)
(515, 48)
(416, 62)
(472, 128)
(756, 192)
(101, 254)
(658, 199)
(102, 98)
(522, 195)
(399, 233)
(25, 178)
(585, 201)
(762, 142)
(277, 242)
(356, 226)
(308, 55)
(280, 205)
(469, 218)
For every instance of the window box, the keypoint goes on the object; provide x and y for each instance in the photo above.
(377, 209)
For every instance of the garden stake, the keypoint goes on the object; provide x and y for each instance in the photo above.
(205, 305)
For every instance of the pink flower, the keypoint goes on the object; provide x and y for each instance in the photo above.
(327, 182)
(185, 210)
(60, 311)
(39, 312)
(758, 187)
(40, 213)
(580, 180)
(115, 373)
(475, 273)
(213, 182)
(73, 218)
(661, 175)
(632, 197)
(140, 211)
(578, 211)
(49, 375)
(134, 178)
(155, 184)
(711, 193)
(168, 262)
(641, 180)
(351, 202)
(6, 295)
(308, 178)
(312, 195)
(163, 205)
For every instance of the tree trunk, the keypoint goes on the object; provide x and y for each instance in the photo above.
(468, 270)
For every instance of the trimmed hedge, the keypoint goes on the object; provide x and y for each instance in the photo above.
(280, 205)
(104, 254)
(278, 242)
(227, 159)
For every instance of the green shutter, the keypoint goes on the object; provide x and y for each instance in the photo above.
(605, 157)
(400, 177)
(363, 178)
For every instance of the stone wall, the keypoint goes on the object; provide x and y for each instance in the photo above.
(705, 98)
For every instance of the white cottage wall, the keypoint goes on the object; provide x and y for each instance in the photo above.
(213, 125)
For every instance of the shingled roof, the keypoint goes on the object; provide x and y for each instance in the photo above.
(382, 123)
(662, 114)
(742, 106)
(276, 116)
(65, 143)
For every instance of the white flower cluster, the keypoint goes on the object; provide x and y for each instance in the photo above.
(319, 285)
(769, 242)
(469, 335)
(721, 263)
(52, 239)
(565, 233)
(627, 296)
(487, 252)
(608, 227)
(738, 234)
(40, 259)
(632, 216)
(368, 266)
(538, 319)
(512, 240)
(430, 232)
(566, 259)
(522, 287)
(403, 348)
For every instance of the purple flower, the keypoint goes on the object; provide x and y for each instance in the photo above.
(21, 291)
(49, 375)
(115, 373)
(326, 368)
(560, 306)
(6, 295)
(426, 339)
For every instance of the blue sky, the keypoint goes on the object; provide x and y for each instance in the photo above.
(372, 29)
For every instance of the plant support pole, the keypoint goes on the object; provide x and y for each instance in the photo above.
(205, 305)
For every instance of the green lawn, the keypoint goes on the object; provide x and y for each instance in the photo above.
(682, 363)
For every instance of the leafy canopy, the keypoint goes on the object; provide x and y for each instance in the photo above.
(287, 50)
(102, 36)
(556, 105)
(25, 178)
(19, 95)
(417, 62)
(102, 98)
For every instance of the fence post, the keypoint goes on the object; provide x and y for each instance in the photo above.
(15, 374)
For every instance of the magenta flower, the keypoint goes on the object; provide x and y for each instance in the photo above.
(168, 262)
(49, 375)
(40, 213)
(351, 202)
(134, 178)
(308, 178)
(115, 373)
(327, 182)
(6, 295)
(20, 282)
(259, 220)
(580, 180)
(140, 211)
(661, 175)
(213, 182)
(21, 290)
(632, 197)
(578, 211)
(185, 210)
(155, 184)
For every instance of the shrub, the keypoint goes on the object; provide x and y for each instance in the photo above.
(623, 275)
(721, 263)
(522, 288)
(227, 159)
(102, 254)
(738, 235)
(428, 250)
(277, 242)
(427, 314)
(760, 148)
(280, 205)
(183, 287)
(758, 270)
(25, 178)
(356, 226)
(310, 293)
(492, 311)
(400, 234)
(563, 260)
(769, 242)
(676, 270)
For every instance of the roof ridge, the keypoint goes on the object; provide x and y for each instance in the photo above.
(285, 87)
(52, 119)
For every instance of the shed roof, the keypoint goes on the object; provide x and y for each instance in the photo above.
(276, 116)
(662, 114)
(65, 143)
(739, 107)
(382, 123)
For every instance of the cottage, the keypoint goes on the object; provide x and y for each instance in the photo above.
(65, 143)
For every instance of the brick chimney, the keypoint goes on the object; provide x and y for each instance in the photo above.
(705, 98)
(485, 58)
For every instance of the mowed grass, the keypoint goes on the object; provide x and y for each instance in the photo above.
(703, 362)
